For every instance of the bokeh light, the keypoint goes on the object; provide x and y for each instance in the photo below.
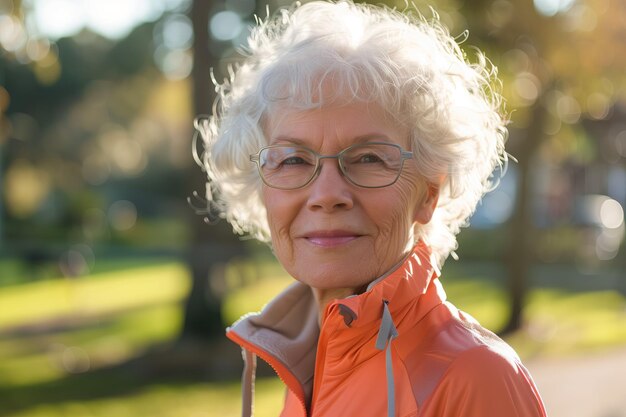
(568, 109)
(611, 214)
(581, 18)
(37, 49)
(177, 32)
(174, 64)
(225, 25)
(122, 215)
(77, 261)
(500, 13)
(70, 359)
(58, 18)
(25, 188)
(124, 154)
(12, 33)
(527, 87)
(75, 360)
(128, 156)
(552, 7)
(598, 105)
(604, 219)
(48, 68)
(173, 39)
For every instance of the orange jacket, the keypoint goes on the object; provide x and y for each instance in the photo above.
(426, 358)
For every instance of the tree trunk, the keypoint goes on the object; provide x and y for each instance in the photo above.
(519, 257)
(211, 246)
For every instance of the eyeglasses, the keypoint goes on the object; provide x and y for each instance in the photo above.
(368, 165)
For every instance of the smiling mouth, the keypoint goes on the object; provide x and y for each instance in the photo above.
(331, 239)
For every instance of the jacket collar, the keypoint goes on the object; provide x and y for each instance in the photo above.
(286, 332)
(404, 285)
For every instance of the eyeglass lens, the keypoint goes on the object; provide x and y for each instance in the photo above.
(366, 165)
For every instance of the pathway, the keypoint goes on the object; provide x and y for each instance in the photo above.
(583, 386)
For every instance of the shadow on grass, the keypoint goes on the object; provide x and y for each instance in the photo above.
(181, 363)
(566, 277)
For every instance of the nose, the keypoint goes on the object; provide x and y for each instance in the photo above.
(330, 190)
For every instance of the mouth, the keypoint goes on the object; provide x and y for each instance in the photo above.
(330, 238)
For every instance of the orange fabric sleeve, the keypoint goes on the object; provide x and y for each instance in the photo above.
(487, 383)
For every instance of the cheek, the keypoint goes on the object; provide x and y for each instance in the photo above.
(397, 217)
(280, 215)
(409, 196)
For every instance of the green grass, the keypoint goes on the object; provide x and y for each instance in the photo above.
(94, 295)
(57, 337)
(86, 323)
(170, 400)
(564, 323)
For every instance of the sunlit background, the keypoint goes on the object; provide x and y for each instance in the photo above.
(116, 282)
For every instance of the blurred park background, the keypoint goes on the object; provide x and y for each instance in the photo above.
(116, 282)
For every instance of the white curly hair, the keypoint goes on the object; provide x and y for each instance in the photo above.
(410, 65)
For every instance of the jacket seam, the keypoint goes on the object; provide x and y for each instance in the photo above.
(406, 372)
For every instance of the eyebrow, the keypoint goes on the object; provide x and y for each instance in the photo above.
(375, 137)
(288, 140)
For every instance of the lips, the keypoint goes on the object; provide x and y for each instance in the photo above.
(330, 238)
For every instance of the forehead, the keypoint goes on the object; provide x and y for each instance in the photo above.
(334, 126)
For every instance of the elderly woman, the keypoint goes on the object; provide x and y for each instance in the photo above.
(357, 141)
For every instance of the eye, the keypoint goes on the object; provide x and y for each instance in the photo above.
(365, 156)
(293, 160)
(286, 157)
(369, 158)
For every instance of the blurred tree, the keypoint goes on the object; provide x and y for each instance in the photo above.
(560, 61)
(40, 131)
(83, 100)
(86, 121)
(211, 247)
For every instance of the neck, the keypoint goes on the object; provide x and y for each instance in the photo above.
(323, 297)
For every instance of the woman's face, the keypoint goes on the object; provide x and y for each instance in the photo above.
(331, 233)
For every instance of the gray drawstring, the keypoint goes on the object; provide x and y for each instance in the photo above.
(247, 383)
(386, 334)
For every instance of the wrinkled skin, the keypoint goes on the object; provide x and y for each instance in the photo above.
(332, 235)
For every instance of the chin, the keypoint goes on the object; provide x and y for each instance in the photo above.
(335, 277)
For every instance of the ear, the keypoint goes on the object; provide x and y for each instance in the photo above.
(424, 211)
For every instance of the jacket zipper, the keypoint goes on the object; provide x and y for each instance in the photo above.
(270, 360)
(320, 357)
